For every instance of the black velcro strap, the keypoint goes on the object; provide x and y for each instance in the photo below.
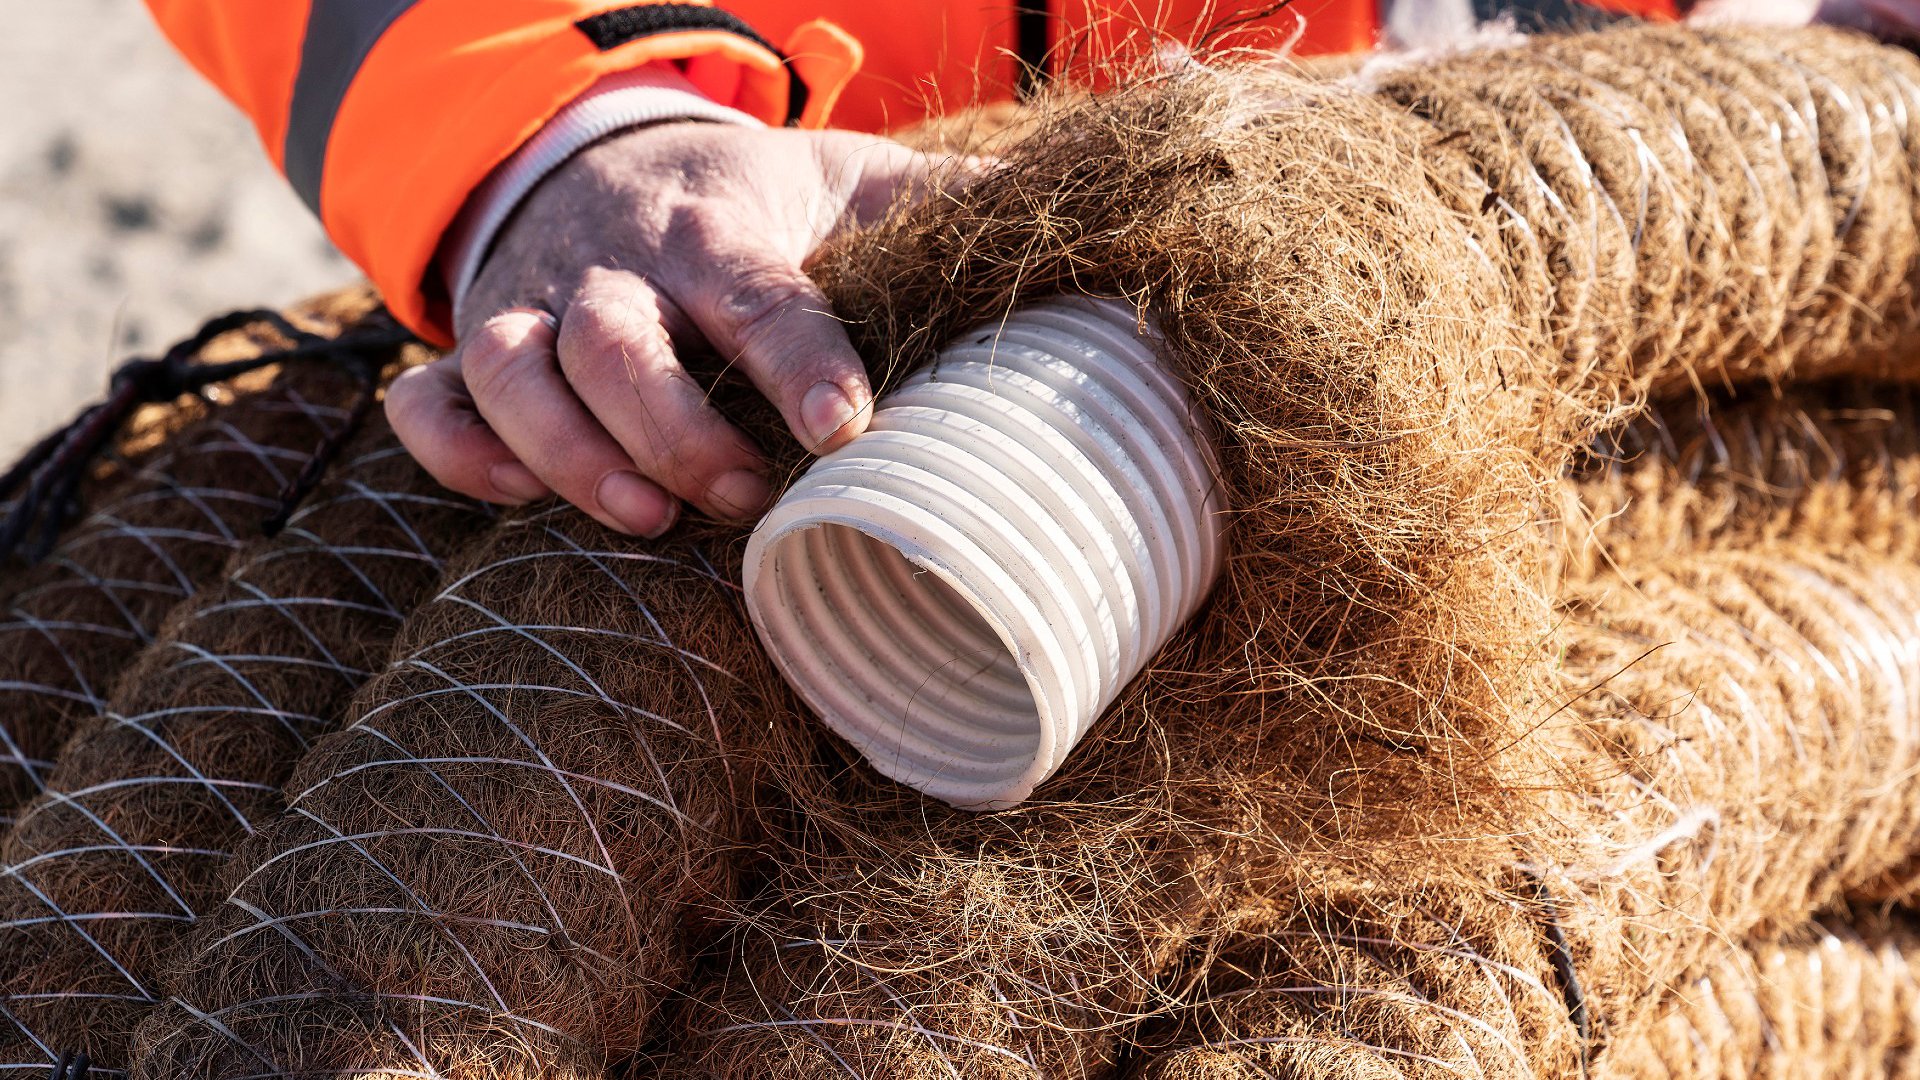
(1549, 16)
(1032, 27)
(612, 29)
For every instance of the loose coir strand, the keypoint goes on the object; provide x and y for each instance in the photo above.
(106, 872)
(500, 868)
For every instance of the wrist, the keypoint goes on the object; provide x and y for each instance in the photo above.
(656, 95)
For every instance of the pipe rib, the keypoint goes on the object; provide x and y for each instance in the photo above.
(966, 586)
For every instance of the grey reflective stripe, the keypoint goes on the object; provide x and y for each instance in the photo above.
(340, 34)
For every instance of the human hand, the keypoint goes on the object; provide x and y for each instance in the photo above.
(1753, 12)
(1893, 19)
(568, 377)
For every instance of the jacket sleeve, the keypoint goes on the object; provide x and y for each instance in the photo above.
(385, 115)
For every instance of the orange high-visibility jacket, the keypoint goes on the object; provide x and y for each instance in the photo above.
(386, 114)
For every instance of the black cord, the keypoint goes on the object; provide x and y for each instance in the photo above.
(1560, 954)
(44, 484)
(323, 457)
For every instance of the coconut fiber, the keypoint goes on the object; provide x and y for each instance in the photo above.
(167, 531)
(1825, 1000)
(1743, 692)
(1828, 1000)
(918, 941)
(1378, 987)
(500, 868)
(108, 868)
(1636, 743)
(1425, 707)
(1019, 944)
(1736, 717)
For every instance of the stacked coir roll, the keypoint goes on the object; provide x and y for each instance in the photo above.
(107, 868)
(1560, 684)
(1741, 691)
(1833, 999)
(502, 865)
(184, 749)
(155, 540)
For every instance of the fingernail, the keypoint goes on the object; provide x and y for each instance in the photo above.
(738, 494)
(516, 481)
(824, 410)
(639, 505)
(666, 522)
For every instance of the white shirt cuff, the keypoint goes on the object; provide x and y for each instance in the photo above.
(645, 95)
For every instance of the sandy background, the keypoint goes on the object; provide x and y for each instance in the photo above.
(134, 202)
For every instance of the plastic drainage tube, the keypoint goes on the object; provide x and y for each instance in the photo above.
(965, 587)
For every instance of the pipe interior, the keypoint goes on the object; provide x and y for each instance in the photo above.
(930, 680)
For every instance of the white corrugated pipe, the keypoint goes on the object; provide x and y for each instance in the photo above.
(965, 587)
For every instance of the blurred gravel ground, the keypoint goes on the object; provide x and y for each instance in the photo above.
(134, 202)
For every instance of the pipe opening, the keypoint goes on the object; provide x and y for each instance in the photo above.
(964, 587)
(914, 672)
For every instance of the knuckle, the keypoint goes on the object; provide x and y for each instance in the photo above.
(406, 398)
(686, 449)
(580, 353)
(587, 309)
(451, 456)
(491, 365)
(415, 408)
(756, 302)
(612, 307)
(597, 332)
(692, 227)
(599, 280)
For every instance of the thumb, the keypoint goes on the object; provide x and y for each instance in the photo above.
(1893, 18)
(765, 314)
